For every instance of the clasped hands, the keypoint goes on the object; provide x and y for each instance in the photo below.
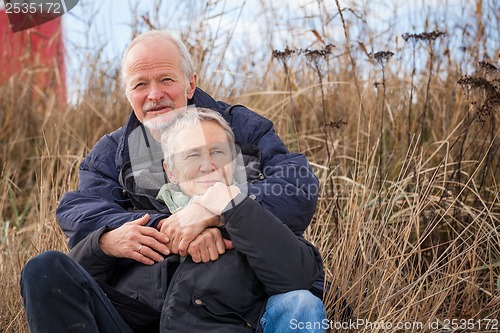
(190, 231)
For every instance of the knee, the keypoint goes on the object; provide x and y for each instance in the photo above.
(306, 301)
(42, 265)
(299, 303)
(40, 270)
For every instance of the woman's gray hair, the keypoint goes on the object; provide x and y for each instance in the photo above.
(160, 36)
(188, 118)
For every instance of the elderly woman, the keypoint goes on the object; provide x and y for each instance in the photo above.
(201, 162)
(264, 263)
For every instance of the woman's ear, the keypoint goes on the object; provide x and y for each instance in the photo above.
(169, 173)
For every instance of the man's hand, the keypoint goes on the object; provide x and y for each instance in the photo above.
(184, 226)
(136, 241)
(208, 246)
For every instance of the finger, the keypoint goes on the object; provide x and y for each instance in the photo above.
(205, 253)
(153, 233)
(148, 253)
(196, 257)
(228, 244)
(185, 239)
(219, 243)
(160, 224)
(194, 252)
(208, 246)
(141, 220)
(141, 258)
(155, 246)
(183, 246)
(213, 252)
(134, 252)
(170, 227)
(173, 244)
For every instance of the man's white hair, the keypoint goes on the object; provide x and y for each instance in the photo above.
(160, 36)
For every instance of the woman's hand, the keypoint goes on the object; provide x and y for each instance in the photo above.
(184, 226)
(208, 246)
(217, 197)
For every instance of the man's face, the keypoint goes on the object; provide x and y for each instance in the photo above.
(202, 157)
(155, 81)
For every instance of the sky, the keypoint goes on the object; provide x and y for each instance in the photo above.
(111, 19)
(104, 27)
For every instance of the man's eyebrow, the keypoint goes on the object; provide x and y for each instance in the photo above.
(137, 77)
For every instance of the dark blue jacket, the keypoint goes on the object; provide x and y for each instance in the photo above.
(289, 189)
(228, 295)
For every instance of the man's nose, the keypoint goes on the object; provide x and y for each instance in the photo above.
(155, 93)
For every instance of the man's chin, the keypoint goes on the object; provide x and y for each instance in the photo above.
(159, 121)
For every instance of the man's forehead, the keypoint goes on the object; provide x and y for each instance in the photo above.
(145, 47)
(143, 69)
(150, 53)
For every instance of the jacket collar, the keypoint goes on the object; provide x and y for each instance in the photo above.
(204, 100)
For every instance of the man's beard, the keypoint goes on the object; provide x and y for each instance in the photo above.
(161, 121)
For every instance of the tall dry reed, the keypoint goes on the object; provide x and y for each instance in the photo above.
(416, 241)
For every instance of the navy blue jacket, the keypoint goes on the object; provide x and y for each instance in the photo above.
(289, 189)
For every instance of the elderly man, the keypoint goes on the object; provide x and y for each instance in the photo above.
(159, 78)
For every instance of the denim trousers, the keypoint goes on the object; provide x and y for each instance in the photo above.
(60, 296)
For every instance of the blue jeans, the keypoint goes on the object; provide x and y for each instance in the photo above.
(294, 311)
(60, 296)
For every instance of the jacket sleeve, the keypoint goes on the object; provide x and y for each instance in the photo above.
(98, 201)
(289, 189)
(90, 256)
(281, 260)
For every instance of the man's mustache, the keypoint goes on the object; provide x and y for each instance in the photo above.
(155, 106)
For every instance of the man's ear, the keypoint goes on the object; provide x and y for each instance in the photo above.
(169, 173)
(191, 86)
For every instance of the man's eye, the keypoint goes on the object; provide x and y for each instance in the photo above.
(167, 79)
(137, 85)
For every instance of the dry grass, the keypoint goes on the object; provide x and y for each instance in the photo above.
(409, 209)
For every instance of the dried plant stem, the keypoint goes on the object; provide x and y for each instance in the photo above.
(412, 88)
(351, 57)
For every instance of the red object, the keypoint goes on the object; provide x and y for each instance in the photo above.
(34, 56)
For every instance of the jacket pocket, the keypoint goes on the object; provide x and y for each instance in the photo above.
(209, 308)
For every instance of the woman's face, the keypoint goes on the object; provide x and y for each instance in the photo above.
(202, 157)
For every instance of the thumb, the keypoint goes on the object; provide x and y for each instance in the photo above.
(141, 220)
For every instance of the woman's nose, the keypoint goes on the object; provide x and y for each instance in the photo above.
(207, 164)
